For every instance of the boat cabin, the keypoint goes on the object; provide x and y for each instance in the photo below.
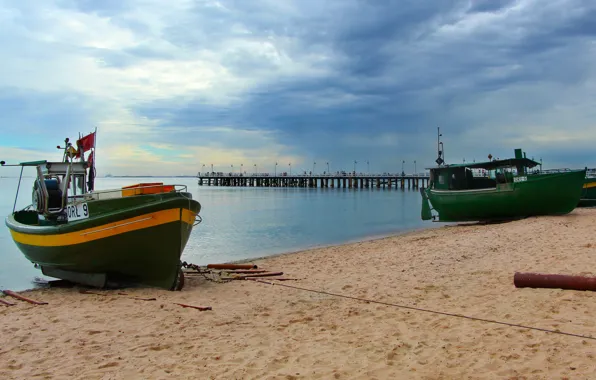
(481, 175)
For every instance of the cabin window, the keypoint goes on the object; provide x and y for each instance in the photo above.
(442, 179)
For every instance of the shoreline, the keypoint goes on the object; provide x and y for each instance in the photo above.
(260, 258)
(371, 238)
(341, 318)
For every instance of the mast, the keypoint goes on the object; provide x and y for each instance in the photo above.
(91, 180)
(439, 141)
(440, 149)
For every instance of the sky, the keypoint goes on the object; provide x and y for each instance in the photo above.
(175, 87)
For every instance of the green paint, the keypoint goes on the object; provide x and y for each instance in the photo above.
(149, 256)
(456, 195)
(110, 210)
(33, 163)
(425, 213)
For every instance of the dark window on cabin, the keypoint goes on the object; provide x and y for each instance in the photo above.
(463, 179)
(458, 179)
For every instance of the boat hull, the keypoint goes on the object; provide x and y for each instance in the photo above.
(139, 239)
(588, 197)
(542, 194)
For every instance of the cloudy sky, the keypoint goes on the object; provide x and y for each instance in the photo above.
(178, 84)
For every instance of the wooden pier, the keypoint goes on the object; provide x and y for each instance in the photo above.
(364, 181)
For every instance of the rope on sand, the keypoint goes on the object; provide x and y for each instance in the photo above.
(430, 311)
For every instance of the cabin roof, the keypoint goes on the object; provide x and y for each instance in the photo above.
(494, 164)
(77, 167)
(33, 163)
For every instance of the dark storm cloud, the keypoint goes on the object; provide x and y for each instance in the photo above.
(371, 79)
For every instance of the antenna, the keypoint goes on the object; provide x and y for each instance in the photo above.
(440, 160)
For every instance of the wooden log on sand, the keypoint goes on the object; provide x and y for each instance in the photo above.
(119, 293)
(245, 271)
(15, 295)
(231, 266)
(268, 274)
(90, 292)
(559, 281)
(6, 303)
(201, 308)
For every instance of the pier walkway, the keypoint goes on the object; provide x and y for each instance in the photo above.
(347, 181)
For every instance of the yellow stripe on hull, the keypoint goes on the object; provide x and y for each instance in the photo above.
(589, 185)
(106, 230)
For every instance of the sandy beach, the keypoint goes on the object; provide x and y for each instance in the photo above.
(261, 331)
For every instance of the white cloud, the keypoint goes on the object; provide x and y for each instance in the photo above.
(67, 50)
(14, 156)
(506, 73)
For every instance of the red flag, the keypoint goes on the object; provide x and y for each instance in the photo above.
(86, 143)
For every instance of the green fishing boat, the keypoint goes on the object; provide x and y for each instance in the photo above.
(130, 235)
(498, 190)
(588, 197)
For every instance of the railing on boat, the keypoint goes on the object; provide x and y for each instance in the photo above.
(550, 171)
(589, 172)
(129, 191)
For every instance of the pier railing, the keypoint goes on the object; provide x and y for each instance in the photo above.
(303, 175)
(324, 180)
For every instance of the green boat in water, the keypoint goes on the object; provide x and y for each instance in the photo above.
(130, 235)
(588, 198)
(498, 190)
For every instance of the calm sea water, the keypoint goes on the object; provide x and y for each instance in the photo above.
(242, 223)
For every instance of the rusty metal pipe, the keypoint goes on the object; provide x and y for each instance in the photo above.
(558, 281)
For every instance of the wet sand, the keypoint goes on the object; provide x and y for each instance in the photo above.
(262, 331)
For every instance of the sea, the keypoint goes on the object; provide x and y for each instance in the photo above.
(245, 222)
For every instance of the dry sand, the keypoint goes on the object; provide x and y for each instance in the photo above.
(259, 331)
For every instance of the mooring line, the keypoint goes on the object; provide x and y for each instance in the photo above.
(430, 311)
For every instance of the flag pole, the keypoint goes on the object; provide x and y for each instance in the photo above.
(94, 143)
(94, 159)
(80, 148)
